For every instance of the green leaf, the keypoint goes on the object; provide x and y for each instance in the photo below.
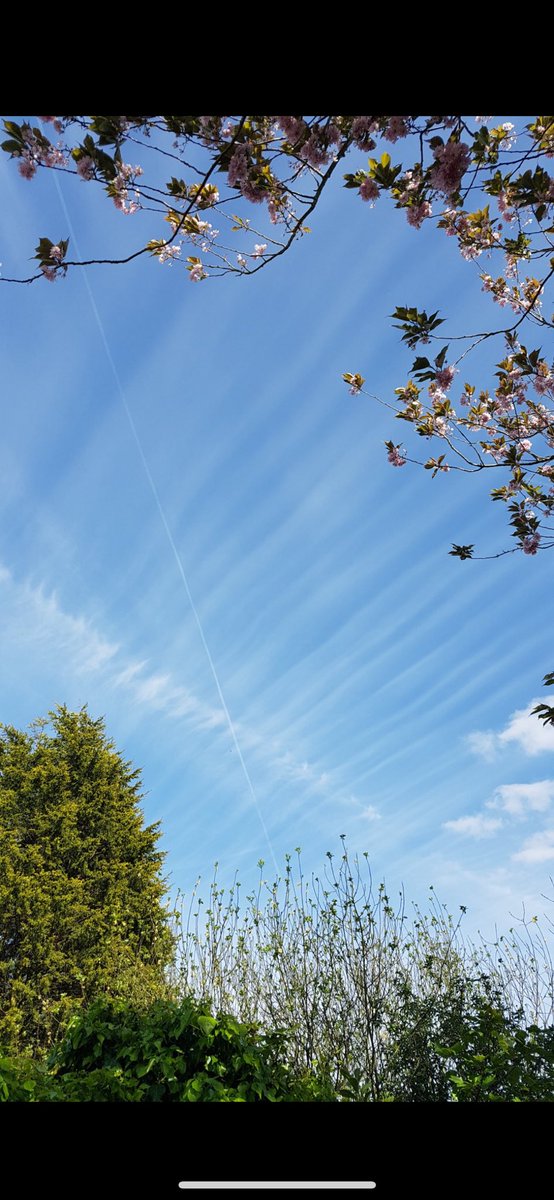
(207, 1024)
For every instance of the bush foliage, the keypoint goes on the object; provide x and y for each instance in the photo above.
(169, 1052)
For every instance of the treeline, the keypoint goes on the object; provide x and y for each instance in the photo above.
(314, 989)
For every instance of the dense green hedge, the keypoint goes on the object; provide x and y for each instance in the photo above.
(171, 1052)
(181, 1052)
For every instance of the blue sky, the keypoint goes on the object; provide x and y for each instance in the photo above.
(376, 687)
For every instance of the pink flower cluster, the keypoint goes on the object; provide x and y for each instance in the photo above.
(238, 167)
(210, 129)
(418, 213)
(397, 128)
(530, 544)
(293, 128)
(55, 121)
(37, 153)
(85, 167)
(239, 175)
(544, 380)
(167, 253)
(444, 377)
(126, 175)
(506, 211)
(369, 190)
(197, 272)
(316, 150)
(361, 131)
(452, 161)
(395, 457)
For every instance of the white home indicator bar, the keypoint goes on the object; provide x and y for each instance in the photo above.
(316, 1184)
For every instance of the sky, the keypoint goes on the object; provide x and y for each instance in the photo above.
(203, 542)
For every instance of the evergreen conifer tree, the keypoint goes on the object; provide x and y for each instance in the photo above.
(81, 894)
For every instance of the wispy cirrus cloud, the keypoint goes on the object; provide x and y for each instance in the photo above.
(34, 616)
(38, 622)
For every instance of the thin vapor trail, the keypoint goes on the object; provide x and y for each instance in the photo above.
(165, 524)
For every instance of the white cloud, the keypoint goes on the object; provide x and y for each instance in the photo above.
(302, 772)
(475, 827)
(518, 798)
(531, 734)
(483, 743)
(537, 849)
(370, 813)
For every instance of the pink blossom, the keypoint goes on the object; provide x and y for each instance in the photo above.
(56, 253)
(49, 273)
(452, 161)
(508, 213)
(396, 128)
(410, 183)
(274, 210)
(27, 168)
(445, 376)
(167, 252)
(395, 457)
(54, 158)
(238, 167)
(544, 383)
(417, 213)
(437, 395)
(531, 543)
(196, 272)
(369, 189)
(292, 127)
(259, 250)
(121, 197)
(85, 167)
(55, 122)
(315, 151)
(252, 192)
(361, 130)
(210, 129)
(126, 171)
